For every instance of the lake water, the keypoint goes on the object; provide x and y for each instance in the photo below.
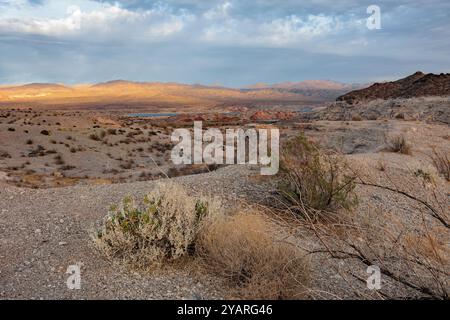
(152, 115)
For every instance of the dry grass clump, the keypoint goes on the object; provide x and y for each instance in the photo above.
(163, 229)
(399, 144)
(244, 250)
(441, 161)
(313, 179)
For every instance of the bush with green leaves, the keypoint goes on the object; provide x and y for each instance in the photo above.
(312, 179)
(163, 229)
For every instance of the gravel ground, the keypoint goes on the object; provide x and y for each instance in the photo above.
(43, 231)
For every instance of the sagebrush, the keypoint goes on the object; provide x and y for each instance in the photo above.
(163, 229)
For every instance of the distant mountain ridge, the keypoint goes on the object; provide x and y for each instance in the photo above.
(326, 89)
(308, 85)
(418, 84)
(156, 95)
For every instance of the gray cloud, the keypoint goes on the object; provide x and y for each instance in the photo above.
(229, 42)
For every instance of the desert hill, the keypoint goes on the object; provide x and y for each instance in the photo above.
(149, 95)
(325, 89)
(418, 84)
(419, 96)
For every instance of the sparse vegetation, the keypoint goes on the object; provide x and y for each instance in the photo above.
(399, 144)
(4, 154)
(39, 151)
(313, 179)
(423, 175)
(163, 229)
(94, 136)
(411, 252)
(245, 251)
(59, 160)
(441, 161)
(68, 167)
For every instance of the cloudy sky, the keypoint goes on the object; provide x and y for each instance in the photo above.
(227, 42)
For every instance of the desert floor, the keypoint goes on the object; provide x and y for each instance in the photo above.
(52, 196)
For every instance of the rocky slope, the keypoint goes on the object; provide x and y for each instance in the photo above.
(420, 96)
(430, 109)
(415, 85)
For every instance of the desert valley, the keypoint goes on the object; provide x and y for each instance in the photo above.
(366, 167)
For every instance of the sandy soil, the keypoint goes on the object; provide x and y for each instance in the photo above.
(43, 231)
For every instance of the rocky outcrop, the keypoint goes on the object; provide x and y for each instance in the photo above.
(430, 109)
(415, 85)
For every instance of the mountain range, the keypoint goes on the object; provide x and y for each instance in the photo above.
(122, 93)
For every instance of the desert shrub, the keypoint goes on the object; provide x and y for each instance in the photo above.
(163, 229)
(244, 250)
(356, 117)
(29, 141)
(59, 160)
(441, 161)
(112, 131)
(419, 173)
(94, 136)
(162, 147)
(4, 154)
(45, 132)
(11, 129)
(411, 250)
(313, 179)
(39, 151)
(68, 167)
(399, 144)
(127, 165)
(111, 171)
